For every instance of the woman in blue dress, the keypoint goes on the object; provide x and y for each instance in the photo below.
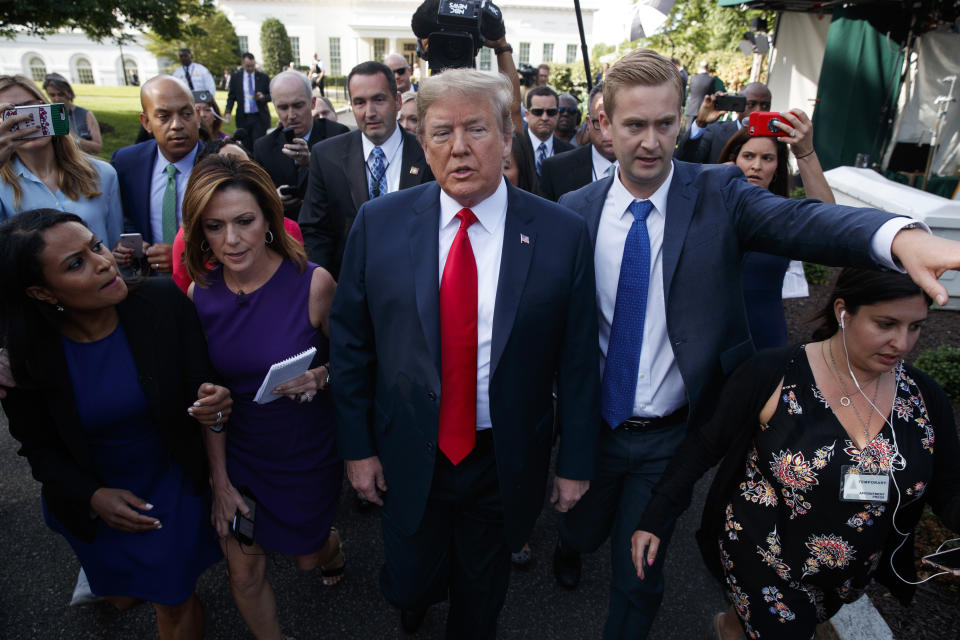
(113, 384)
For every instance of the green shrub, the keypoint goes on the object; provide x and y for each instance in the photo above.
(816, 273)
(277, 52)
(799, 193)
(943, 365)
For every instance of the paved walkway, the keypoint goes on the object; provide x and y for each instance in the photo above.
(39, 571)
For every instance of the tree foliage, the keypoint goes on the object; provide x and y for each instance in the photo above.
(213, 43)
(98, 19)
(275, 43)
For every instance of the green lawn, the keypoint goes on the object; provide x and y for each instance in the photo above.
(119, 107)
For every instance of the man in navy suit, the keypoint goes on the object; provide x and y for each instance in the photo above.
(670, 308)
(380, 157)
(249, 89)
(153, 174)
(459, 304)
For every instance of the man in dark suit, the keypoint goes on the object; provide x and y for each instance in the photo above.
(571, 170)
(288, 163)
(153, 175)
(705, 138)
(346, 171)
(701, 84)
(543, 109)
(444, 393)
(670, 307)
(250, 90)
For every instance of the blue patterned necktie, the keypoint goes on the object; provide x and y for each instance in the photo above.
(626, 333)
(251, 103)
(378, 173)
(541, 155)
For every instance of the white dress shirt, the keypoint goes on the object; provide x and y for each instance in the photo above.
(535, 141)
(486, 240)
(696, 130)
(393, 150)
(199, 75)
(158, 183)
(660, 387)
(600, 164)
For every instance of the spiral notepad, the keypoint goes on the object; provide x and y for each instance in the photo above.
(284, 371)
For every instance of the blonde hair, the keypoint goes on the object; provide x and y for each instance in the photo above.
(78, 177)
(640, 67)
(214, 174)
(471, 84)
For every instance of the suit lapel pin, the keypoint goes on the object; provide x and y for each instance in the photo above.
(414, 171)
(524, 239)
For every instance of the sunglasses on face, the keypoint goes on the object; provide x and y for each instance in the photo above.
(571, 110)
(539, 112)
(400, 72)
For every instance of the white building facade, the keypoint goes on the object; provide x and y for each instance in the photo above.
(342, 32)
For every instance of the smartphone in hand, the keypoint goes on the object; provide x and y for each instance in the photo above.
(51, 118)
(766, 123)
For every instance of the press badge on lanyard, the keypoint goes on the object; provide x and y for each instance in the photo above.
(857, 486)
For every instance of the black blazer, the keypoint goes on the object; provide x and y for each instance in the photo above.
(385, 343)
(171, 357)
(559, 146)
(566, 172)
(282, 169)
(261, 83)
(705, 149)
(338, 186)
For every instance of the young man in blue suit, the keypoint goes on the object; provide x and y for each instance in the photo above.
(153, 174)
(669, 237)
(459, 304)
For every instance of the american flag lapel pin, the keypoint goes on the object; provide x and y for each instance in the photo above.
(414, 171)
(524, 238)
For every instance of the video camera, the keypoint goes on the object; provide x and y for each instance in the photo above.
(528, 75)
(455, 31)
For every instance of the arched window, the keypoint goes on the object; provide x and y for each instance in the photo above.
(38, 70)
(84, 73)
(131, 76)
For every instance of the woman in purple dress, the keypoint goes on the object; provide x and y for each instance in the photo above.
(261, 302)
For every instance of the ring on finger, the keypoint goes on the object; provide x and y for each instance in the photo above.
(307, 396)
(219, 417)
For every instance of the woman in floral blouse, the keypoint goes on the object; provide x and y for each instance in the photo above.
(830, 451)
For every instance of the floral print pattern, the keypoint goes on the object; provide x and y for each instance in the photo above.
(755, 487)
(771, 555)
(790, 398)
(777, 606)
(865, 518)
(796, 474)
(876, 457)
(731, 526)
(827, 551)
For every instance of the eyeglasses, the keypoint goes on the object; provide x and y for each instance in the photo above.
(571, 110)
(400, 72)
(539, 112)
(595, 123)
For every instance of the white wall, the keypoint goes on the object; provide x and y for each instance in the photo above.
(61, 52)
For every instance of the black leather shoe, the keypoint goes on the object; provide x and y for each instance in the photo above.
(411, 619)
(566, 567)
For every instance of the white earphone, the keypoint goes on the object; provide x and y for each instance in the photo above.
(842, 313)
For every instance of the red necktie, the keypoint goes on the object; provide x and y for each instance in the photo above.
(458, 346)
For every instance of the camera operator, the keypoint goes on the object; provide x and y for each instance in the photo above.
(705, 138)
(491, 32)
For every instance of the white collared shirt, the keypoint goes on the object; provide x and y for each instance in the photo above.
(536, 142)
(158, 184)
(199, 75)
(660, 389)
(486, 240)
(600, 164)
(393, 150)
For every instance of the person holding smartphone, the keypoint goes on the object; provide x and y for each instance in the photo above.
(113, 387)
(52, 172)
(829, 450)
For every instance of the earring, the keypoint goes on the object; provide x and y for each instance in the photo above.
(204, 246)
(269, 236)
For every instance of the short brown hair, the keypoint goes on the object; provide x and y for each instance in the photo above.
(214, 174)
(641, 67)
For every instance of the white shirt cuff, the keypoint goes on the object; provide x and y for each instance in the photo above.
(695, 130)
(881, 244)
